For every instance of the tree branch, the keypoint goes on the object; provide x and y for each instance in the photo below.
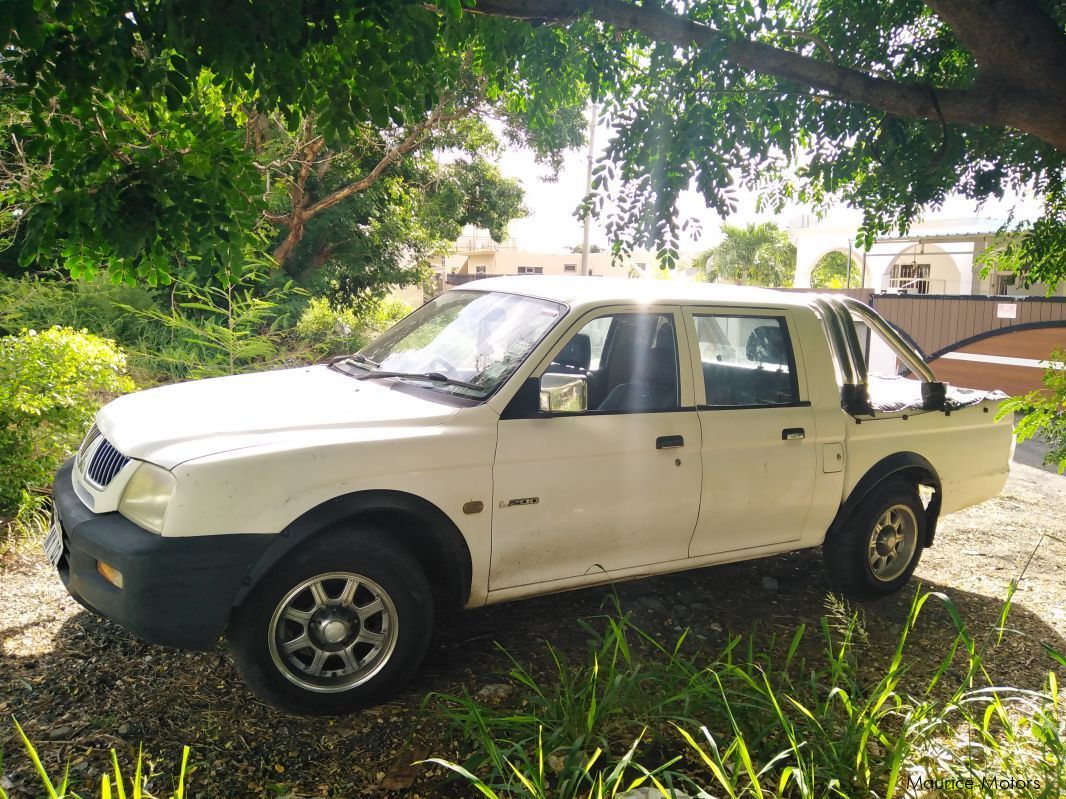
(301, 213)
(412, 140)
(982, 105)
(307, 151)
(1014, 38)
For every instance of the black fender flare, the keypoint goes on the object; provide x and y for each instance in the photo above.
(424, 529)
(909, 464)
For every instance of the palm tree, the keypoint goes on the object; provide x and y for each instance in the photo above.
(753, 255)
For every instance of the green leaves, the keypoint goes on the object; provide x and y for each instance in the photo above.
(835, 270)
(51, 384)
(137, 113)
(147, 129)
(1044, 412)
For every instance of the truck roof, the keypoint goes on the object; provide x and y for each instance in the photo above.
(575, 290)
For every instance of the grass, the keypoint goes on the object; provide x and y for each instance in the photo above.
(113, 783)
(30, 522)
(755, 721)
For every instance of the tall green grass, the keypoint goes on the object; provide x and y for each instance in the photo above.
(755, 721)
(112, 783)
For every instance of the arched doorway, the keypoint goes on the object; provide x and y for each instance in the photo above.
(923, 268)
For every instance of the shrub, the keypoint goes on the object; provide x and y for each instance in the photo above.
(97, 305)
(51, 384)
(329, 330)
(219, 329)
(191, 330)
(1044, 412)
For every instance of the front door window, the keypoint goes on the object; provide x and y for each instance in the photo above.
(630, 360)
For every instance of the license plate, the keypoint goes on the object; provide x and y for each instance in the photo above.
(53, 542)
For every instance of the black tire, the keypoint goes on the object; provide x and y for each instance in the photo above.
(858, 553)
(354, 646)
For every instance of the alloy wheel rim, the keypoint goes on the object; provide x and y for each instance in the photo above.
(892, 542)
(333, 632)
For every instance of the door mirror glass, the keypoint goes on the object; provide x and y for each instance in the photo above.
(564, 393)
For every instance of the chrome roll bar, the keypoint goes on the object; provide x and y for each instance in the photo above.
(838, 317)
(837, 342)
(903, 348)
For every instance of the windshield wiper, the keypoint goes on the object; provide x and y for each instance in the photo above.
(358, 357)
(433, 377)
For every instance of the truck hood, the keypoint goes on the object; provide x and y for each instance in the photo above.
(176, 423)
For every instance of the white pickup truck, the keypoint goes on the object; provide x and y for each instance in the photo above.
(516, 437)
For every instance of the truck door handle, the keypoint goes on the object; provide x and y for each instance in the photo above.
(793, 434)
(669, 442)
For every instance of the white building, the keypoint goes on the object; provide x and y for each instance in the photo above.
(475, 255)
(938, 256)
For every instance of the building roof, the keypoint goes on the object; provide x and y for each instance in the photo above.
(807, 225)
(575, 290)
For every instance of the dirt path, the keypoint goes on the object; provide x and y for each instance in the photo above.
(80, 685)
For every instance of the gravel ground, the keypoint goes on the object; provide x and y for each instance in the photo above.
(80, 685)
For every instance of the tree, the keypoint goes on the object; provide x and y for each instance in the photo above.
(887, 106)
(166, 143)
(835, 270)
(754, 255)
(352, 221)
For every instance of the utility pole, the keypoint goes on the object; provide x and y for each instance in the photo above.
(848, 282)
(588, 190)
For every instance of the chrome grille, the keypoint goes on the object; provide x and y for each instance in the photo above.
(90, 437)
(105, 464)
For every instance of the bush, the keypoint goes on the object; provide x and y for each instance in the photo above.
(190, 331)
(1044, 412)
(51, 384)
(329, 330)
(224, 328)
(97, 305)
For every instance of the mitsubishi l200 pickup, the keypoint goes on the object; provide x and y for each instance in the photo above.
(516, 437)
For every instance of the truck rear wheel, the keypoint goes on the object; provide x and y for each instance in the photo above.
(875, 551)
(340, 624)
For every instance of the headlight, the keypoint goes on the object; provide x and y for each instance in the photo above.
(146, 496)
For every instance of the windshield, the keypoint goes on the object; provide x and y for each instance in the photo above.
(474, 338)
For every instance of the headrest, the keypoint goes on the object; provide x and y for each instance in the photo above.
(665, 337)
(660, 366)
(766, 344)
(577, 353)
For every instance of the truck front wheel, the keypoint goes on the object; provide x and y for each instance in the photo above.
(875, 551)
(340, 624)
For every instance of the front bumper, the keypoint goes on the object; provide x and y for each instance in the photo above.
(176, 591)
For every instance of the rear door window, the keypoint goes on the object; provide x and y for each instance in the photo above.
(747, 361)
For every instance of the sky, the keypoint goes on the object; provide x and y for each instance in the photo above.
(552, 226)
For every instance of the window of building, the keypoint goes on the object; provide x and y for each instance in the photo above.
(1004, 282)
(480, 269)
(569, 267)
(910, 278)
(531, 270)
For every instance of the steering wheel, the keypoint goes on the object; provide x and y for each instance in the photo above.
(439, 364)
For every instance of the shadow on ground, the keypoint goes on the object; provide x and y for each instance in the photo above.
(101, 688)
